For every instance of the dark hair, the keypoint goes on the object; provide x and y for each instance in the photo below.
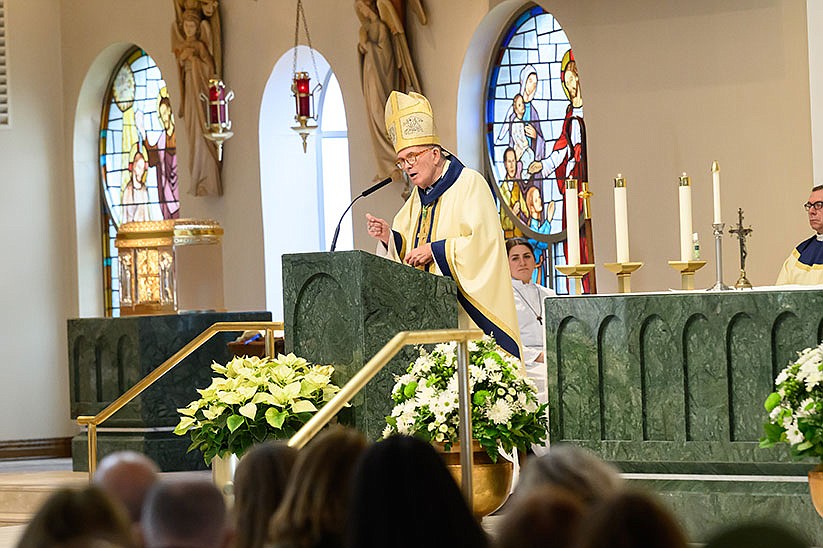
(757, 535)
(816, 188)
(547, 516)
(184, 512)
(512, 242)
(313, 510)
(628, 520)
(259, 486)
(70, 515)
(400, 479)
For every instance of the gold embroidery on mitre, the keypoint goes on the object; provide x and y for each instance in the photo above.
(409, 121)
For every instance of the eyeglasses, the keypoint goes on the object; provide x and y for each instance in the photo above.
(411, 158)
(816, 205)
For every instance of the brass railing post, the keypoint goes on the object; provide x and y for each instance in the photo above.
(464, 413)
(92, 456)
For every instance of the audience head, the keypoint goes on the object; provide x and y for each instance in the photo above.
(630, 520)
(546, 516)
(74, 517)
(127, 477)
(259, 485)
(185, 513)
(313, 510)
(756, 535)
(403, 496)
(578, 471)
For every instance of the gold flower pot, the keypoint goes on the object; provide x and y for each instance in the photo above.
(491, 482)
(816, 488)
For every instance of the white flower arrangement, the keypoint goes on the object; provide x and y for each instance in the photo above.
(255, 399)
(505, 411)
(796, 407)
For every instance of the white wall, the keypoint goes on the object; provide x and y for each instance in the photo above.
(34, 218)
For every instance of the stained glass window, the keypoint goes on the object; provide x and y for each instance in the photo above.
(536, 138)
(138, 156)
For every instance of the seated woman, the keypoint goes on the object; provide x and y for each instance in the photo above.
(528, 300)
(313, 511)
(259, 487)
(403, 496)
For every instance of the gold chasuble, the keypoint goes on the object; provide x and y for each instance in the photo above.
(805, 264)
(458, 217)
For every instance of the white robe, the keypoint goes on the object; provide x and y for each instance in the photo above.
(528, 302)
(463, 226)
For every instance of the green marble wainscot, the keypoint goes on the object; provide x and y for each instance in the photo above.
(705, 506)
(107, 356)
(673, 384)
(341, 308)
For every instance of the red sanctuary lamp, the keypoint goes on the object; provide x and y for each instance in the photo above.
(218, 124)
(303, 106)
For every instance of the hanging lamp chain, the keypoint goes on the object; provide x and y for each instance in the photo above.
(302, 15)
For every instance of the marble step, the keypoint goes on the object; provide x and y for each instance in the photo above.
(22, 493)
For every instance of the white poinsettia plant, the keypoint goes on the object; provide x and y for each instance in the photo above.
(505, 411)
(254, 400)
(796, 407)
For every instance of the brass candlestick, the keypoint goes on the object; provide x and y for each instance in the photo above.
(687, 270)
(576, 273)
(624, 274)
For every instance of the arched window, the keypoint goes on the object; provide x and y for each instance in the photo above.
(302, 194)
(138, 158)
(536, 139)
(333, 169)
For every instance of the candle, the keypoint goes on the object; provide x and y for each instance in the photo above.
(716, 191)
(621, 219)
(300, 87)
(572, 223)
(685, 218)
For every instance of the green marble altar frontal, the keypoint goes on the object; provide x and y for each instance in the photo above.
(672, 384)
(341, 308)
(107, 356)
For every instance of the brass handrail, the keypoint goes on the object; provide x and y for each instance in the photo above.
(374, 365)
(92, 422)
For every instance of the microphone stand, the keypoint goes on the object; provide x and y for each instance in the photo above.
(363, 194)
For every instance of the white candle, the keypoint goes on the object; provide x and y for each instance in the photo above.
(685, 218)
(716, 191)
(621, 219)
(572, 223)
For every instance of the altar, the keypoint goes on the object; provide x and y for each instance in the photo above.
(670, 388)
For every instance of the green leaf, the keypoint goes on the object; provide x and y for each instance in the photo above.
(410, 389)
(772, 401)
(276, 417)
(234, 422)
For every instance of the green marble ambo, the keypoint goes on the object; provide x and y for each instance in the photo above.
(341, 308)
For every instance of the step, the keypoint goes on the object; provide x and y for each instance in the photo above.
(24, 492)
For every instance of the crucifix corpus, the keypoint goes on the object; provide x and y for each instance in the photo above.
(741, 233)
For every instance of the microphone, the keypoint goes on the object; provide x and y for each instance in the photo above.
(371, 189)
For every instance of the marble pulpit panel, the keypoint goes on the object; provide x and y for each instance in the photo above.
(341, 308)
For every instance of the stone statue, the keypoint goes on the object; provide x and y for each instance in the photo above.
(196, 65)
(210, 27)
(385, 65)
